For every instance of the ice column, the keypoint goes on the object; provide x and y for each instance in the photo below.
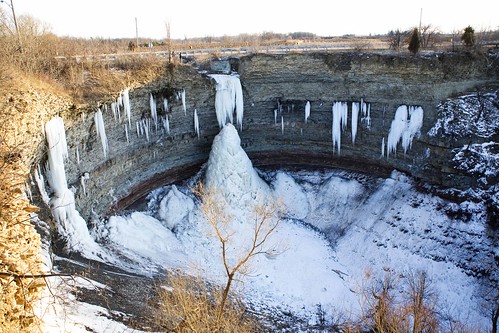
(355, 117)
(307, 111)
(101, 131)
(340, 110)
(228, 99)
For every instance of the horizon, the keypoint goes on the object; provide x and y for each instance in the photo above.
(116, 19)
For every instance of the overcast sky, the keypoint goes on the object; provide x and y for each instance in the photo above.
(201, 18)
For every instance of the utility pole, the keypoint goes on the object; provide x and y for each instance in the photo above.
(15, 24)
(136, 33)
(420, 19)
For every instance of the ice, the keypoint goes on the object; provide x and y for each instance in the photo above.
(404, 128)
(339, 110)
(175, 208)
(355, 117)
(307, 111)
(228, 99)
(40, 182)
(101, 131)
(165, 105)
(230, 171)
(70, 225)
(154, 112)
(126, 105)
(291, 195)
(196, 123)
(282, 124)
(184, 107)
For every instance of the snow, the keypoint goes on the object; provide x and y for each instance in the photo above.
(101, 131)
(473, 114)
(228, 99)
(478, 159)
(405, 126)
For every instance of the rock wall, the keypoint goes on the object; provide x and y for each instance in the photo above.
(274, 82)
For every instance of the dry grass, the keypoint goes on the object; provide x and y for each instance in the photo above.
(189, 304)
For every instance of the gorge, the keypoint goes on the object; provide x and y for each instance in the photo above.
(368, 113)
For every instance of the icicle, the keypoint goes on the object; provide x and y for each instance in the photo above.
(282, 124)
(355, 116)
(138, 129)
(383, 147)
(196, 122)
(403, 128)
(307, 111)
(82, 182)
(126, 134)
(165, 105)
(145, 124)
(113, 109)
(77, 155)
(154, 113)
(101, 131)
(27, 191)
(275, 117)
(126, 105)
(397, 129)
(183, 102)
(339, 110)
(413, 127)
(166, 124)
(40, 182)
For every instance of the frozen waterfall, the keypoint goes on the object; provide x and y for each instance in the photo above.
(70, 224)
(406, 124)
(228, 99)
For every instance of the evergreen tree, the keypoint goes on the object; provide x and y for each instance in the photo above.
(415, 42)
(468, 37)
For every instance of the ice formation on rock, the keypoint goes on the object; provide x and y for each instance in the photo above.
(101, 131)
(154, 112)
(307, 111)
(196, 123)
(355, 121)
(184, 107)
(230, 172)
(228, 99)
(406, 124)
(70, 224)
(340, 111)
(175, 208)
(126, 105)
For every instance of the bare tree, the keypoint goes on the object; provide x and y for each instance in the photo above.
(428, 36)
(264, 224)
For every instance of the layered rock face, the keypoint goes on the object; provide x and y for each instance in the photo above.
(275, 133)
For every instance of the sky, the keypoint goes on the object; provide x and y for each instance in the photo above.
(202, 18)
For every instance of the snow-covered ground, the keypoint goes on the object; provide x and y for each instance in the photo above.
(336, 226)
